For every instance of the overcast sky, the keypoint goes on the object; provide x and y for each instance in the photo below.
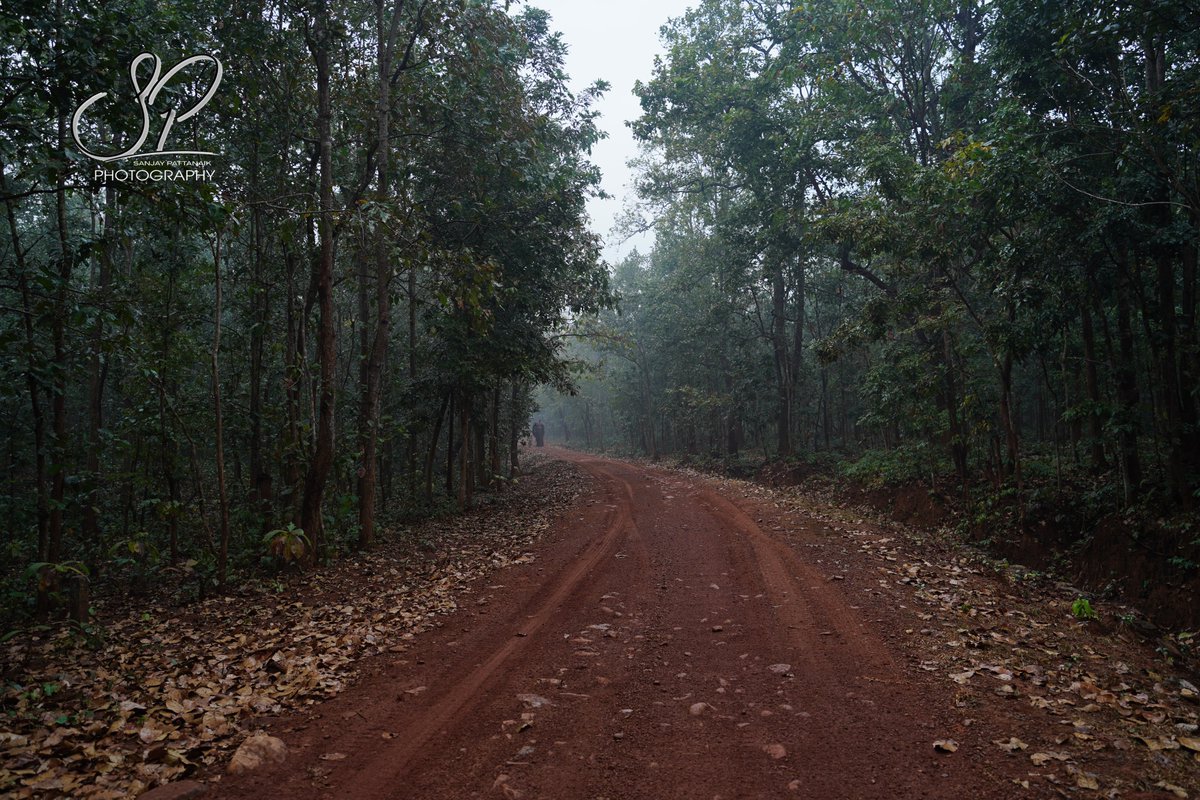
(615, 41)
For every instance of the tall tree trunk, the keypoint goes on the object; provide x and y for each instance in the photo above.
(1160, 215)
(1126, 384)
(260, 475)
(218, 419)
(797, 355)
(367, 429)
(454, 400)
(322, 458)
(372, 402)
(32, 369)
(651, 443)
(412, 362)
(1092, 384)
(168, 450)
(1189, 343)
(464, 461)
(783, 406)
(479, 473)
(58, 395)
(494, 435)
(1012, 465)
(97, 372)
(958, 441)
(514, 432)
(433, 444)
(293, 370)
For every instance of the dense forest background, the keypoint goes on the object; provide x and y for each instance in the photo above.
(347, 320)
(946, 244)
(942, 243)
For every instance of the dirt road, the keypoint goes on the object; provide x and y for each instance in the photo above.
(665, 643)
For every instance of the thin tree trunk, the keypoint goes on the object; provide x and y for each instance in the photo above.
(293, 377)
(958, 444)
(464, 462)
(96, 375)
(454, 400)
(260, 476)
(783, 408)
(219, 426)
(1127, 390)
(494, 435)
(433, 443)
(42, 498)
(1092, 384)
(514, 434)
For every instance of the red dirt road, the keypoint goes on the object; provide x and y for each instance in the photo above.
(641, 655)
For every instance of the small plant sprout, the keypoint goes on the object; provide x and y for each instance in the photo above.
(289, 545)
(1082, 609)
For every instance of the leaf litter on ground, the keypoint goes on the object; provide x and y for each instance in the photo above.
(174, 689)
(1075, 693)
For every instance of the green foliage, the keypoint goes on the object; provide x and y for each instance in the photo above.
(289, 545)
(1082, 609)
(461, 243)
(47, 572)
(907, 463)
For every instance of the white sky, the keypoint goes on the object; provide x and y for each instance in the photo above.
(615, 41)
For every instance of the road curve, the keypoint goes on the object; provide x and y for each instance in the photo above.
(663, 645)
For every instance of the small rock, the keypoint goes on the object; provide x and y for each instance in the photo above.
(780, 669)
(775, 751)
(718, 628)
(698, 709)
(257, 750)
(179, 790)
(618, 736)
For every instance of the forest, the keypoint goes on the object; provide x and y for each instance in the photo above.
(874, 459)
(346, 321)
(949, 243)
(943, 244)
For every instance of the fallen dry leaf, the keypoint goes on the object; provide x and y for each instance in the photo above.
(1040, 759)
(1012, 744)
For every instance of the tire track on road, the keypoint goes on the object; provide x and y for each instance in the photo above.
(390, 763)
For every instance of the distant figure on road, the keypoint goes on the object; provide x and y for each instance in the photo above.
(539, 433)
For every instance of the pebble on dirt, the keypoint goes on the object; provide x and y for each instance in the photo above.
(257, 750)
